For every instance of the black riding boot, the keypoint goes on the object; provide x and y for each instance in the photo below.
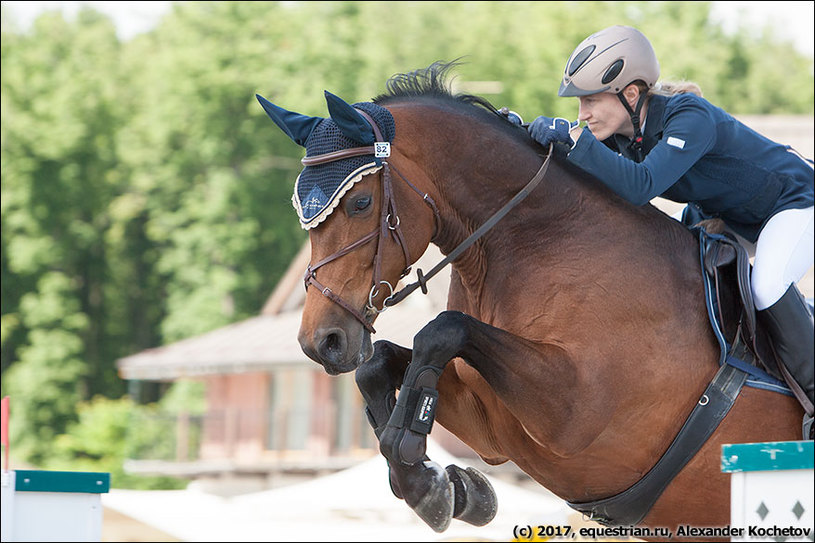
(790, 325)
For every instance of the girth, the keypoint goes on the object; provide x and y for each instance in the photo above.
(629, 507)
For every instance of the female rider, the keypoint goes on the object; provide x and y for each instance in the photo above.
(645, 140)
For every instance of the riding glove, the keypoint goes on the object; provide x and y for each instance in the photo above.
(546, 130)
(511, 116)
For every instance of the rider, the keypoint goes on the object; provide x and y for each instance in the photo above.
(644, 139)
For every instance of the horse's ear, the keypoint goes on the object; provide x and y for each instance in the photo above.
(296, 126)
(349, 120)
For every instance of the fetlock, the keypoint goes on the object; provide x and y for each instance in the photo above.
(402, 445)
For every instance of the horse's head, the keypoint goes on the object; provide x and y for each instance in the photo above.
(346, 197)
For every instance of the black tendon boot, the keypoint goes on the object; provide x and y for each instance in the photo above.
(790, 325)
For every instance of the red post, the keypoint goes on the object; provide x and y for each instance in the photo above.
(4, 423)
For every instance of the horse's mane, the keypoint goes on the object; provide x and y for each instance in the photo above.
(433, 83)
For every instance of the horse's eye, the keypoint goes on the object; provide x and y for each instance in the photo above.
(362, 203)
(359, 205)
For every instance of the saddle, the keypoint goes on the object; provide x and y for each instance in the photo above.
(732, 313)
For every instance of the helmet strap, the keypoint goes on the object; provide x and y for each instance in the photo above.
(636, 142)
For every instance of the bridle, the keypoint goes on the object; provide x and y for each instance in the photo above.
(388, 213)
(388, 223)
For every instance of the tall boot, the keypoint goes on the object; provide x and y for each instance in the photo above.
(790, 325)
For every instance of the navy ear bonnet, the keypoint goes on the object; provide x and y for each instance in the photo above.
(319, 188)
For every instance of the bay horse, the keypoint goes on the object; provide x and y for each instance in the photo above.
(576, 340)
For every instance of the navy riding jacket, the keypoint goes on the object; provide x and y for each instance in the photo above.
(695, 152)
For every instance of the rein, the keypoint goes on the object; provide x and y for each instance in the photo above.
(388, 214)
(472, 238)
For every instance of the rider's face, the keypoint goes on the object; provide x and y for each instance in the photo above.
(605, 115)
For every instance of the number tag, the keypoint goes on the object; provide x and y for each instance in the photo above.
(382, 149)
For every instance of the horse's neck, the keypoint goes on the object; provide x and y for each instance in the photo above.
(474, 176)
(470, 190)
(469, 202)
(567, 221)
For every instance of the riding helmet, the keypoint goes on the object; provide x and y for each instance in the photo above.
(608, 61)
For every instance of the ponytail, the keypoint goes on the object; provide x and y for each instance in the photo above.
(669, 88)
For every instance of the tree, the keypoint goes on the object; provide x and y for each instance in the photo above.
(59, 174)
(146, 197)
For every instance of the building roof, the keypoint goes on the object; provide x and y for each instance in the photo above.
(269, 340)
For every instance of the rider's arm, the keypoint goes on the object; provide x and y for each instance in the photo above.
(689, 133)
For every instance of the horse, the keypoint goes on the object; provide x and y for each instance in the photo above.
(576, 339)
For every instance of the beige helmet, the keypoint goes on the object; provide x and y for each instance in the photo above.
(608, 61)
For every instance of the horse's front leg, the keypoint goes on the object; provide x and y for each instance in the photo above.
(403, 440)
(377, 380)
(435, 494)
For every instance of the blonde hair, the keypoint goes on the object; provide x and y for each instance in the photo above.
(669, 88)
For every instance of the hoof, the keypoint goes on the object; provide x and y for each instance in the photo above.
(475, 501)
(435, 505)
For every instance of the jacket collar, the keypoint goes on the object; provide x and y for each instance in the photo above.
(654, 125)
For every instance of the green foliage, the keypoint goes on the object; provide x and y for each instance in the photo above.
(109, 432)
(146, 196)
(185, 396)
(47, 377)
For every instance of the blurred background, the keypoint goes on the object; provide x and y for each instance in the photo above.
(151, 258)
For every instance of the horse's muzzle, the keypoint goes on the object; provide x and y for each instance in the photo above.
(338, 353)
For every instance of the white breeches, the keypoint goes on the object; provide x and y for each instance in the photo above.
(782, 254)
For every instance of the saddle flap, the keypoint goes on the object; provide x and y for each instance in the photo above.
(726, 269)
(718, 255)
(725, 257)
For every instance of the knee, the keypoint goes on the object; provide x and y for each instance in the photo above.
(768, 288)
(447, 332)
(385, 369)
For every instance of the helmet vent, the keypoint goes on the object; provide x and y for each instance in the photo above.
(580, 59)
(613, 71)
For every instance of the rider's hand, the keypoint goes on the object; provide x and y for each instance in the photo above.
(511, 116)
(546, 130)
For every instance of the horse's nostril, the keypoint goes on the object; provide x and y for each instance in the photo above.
(333, 344)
